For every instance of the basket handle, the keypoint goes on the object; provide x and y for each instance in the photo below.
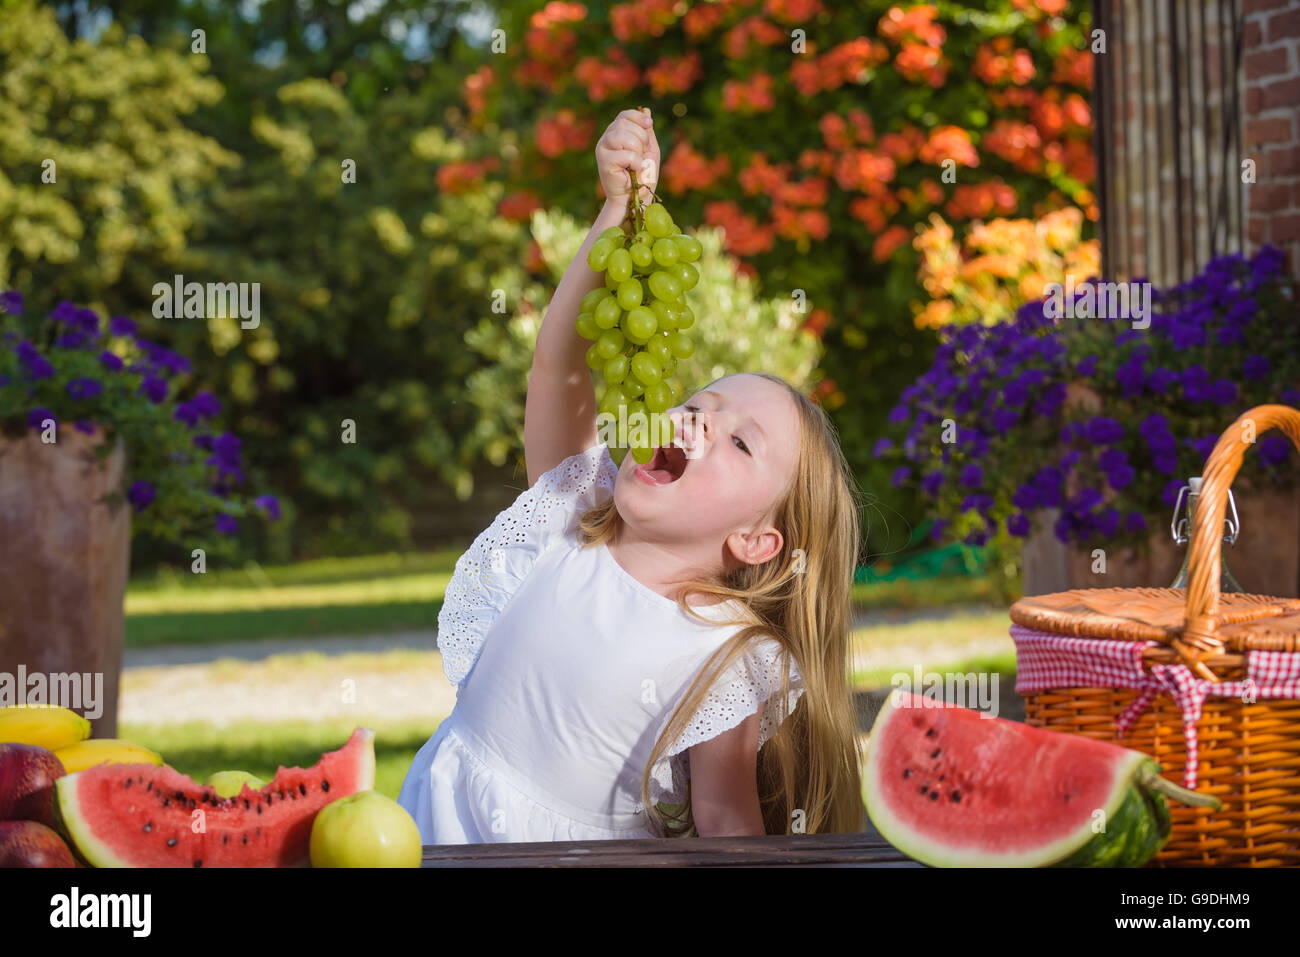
(1199, 639)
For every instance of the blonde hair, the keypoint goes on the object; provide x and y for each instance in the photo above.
(811, 764)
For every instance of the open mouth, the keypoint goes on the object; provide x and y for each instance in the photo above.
(666, 466)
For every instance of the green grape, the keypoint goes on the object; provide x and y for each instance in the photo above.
(683, 347)
(665, 252)
(598, 255)
(658, 349)
(615, 396)
(657, 221)
(663, 313)
(610, 343)
(676, 230)
(607, 313)
(646, 369)
(619, 267)
(642, 257)
(629, 293)
(664, 286)
(642, 323)
(587, 327)
(670, 366)
(684, 317)
(644, 238)
(594, 359)
(635, 408)
(592, 299)
(659, 397)
(689, 247)
(616, 369)
(614, 232)
(686, 274)
(610, 282)
(642, 455)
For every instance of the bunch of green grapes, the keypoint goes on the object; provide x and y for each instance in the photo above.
(637, 324)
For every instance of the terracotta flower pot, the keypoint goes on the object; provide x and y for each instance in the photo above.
(64, 557)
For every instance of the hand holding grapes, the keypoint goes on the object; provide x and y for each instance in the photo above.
(628, 146)
(637, 323)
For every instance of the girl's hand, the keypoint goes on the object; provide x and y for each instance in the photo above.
(628, 144)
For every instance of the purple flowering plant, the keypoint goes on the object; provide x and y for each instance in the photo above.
(70, 370)
(1095, 417)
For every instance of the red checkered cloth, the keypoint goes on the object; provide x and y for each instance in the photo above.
(1045, 661)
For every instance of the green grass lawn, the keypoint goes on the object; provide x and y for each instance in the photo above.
(371, 595)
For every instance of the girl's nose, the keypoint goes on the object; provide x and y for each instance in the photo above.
(690, 428)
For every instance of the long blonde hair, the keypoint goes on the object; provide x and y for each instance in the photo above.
(811, 763)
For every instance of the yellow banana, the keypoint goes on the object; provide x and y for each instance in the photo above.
(44, 726)
(86, 754)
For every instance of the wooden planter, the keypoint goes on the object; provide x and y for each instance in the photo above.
(64, 557)
(1265, 558)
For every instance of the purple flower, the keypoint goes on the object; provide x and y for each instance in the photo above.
(1160, 380)
(36, 365)
(1256, 367)
(226, 446)
(1169, 495)
(65, 311)
(882, 446)
(1204, 446)
(37, 417)
(898, 414)
(932, 482)
(1223, 392)
(937, 530)
(1290, 397)
(87, 321)
(1004, 419)
(227, 525)
(1018, 524)
(1196, 384)
(154, 388)
(972, 476)
(140, 494)
(1087, 366)
(84, 425)
(208, 405)
(1273, 449)
(901, 475)
(269, 504)
(11, 302)
(1103, 430)
(73, 339)
(84, 388)
(121, 326)
(203, 442)
(1134, 522)
(185, 412)
(110, 361)
(1050, 399)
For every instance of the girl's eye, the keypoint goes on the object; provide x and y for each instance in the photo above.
(692, 408)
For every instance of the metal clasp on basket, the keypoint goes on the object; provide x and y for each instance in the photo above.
(1178, 527)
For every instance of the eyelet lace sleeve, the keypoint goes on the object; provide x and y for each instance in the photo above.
(490, 571)
(754, 679)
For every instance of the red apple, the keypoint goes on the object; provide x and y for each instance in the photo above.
(31, 844)
(27, 776)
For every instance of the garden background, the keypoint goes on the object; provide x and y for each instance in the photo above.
(408, 181)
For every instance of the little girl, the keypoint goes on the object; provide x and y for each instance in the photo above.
(593, 701)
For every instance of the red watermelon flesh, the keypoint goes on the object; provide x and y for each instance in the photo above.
(950, 787)
(146, 815)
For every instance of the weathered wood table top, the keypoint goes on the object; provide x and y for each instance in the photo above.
(865, 849)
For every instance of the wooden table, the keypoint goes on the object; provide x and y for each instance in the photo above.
(865, 849)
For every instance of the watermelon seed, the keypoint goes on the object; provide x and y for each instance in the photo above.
(934, 753)
(934, 795)
(941, 777)
(150, 787)
(148, 826)
(191, 803)
(245, 838)
(324, 785)
(929, 732)
(225, 838)
(924, 788)
(128, 782)
(180, 795)
(198, 863)
(259, 807)
(171, 842)
(166, 802)
(907, 772)
(303, 788)
(956, 796)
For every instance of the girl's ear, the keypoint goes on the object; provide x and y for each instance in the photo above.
(755, 548)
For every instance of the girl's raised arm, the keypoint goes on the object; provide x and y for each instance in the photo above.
(560, 411)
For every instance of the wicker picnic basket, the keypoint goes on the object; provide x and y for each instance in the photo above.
(1206, 683)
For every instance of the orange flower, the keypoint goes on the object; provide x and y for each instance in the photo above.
(617, 77)
(888, 241)
(642, 19)
(949, 142)
(674, 74)
(563, 131)
(736, 42)
(793, 11)
(919, 63)
(981, 199)
(688, 169)
(743, 235)
(916, 25)
(1017, 143)
(476, 88)
(518, 206)
(864, 170)
(762, 177)
(752, 96)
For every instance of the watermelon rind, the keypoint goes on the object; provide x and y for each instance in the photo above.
(918, 846)
(93, 851)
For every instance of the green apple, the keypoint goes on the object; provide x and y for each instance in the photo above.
(230, 783)
(366, 829)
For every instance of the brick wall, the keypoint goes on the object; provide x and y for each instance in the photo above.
(1271, 123)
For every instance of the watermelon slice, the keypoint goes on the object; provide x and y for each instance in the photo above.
(953, 788)
(146, 815)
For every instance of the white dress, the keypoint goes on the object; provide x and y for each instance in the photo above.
(567, 669)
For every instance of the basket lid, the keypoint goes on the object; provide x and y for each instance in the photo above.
(1246, 622)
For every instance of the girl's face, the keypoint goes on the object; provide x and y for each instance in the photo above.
(735, 447)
